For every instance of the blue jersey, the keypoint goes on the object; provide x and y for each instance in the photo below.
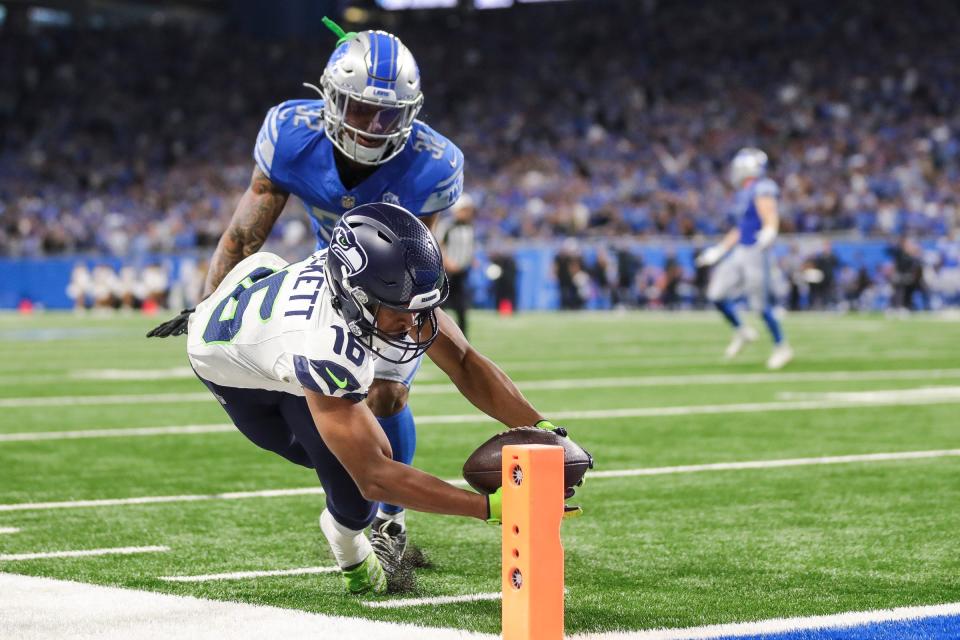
(745, 207)
(293, 151)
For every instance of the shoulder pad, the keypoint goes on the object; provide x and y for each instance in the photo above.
(765, 187)
(286, 129)
(440, 172)
(335, 365)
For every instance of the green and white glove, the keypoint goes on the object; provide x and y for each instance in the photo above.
(495, 506)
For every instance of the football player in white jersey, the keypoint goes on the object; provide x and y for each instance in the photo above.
(744, 264)
(290, 352)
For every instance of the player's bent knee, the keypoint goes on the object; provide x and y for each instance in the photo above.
(387, 398)
(354, 516)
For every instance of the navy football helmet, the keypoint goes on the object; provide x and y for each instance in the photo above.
(381, 255)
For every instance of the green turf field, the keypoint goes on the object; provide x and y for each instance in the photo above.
(679, 548)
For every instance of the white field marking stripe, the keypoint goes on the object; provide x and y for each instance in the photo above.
(116, 433)
(40, 608)
(242, 575)
(578, 383)
(9, 530)
(772, 464)
(713, 378)
(710, 409)
(132, 374)
(66, 401)
(782, 625)
(116, 502)
(923, 393)
(621, 473)
(901, 397)
(416, 602)
(10, 557)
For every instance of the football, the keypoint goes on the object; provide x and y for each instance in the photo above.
(482, 468)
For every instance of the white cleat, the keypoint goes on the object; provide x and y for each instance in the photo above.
(782, 354)
(741, 338)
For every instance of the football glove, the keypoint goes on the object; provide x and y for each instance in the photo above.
(766, 236)
(495, 507)
(562, 432)
(710, 256)
(173, 327)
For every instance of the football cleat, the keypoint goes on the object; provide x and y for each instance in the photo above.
(741, 338)
(389, 541)
(366, 577)
(781, 356)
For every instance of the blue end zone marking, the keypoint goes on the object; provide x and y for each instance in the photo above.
(939, 628)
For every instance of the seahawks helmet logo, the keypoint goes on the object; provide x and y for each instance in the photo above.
(344, 246)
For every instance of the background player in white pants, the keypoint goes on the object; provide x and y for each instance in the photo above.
(746, 268)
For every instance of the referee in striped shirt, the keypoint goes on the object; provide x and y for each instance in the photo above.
(456, 237)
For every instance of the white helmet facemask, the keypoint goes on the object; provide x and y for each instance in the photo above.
(371, 93)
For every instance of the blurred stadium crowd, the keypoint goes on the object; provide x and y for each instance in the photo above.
(574, 122)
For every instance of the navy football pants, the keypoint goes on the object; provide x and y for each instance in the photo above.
(281, 422)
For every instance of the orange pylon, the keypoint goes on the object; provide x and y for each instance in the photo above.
(532, 555)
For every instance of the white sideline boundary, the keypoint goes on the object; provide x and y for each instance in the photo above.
(82, 553)
(782, 625)
(9, 530)
(417, 602)
(529, 385)
(621, 473)
(243, 575)
(41, 608)
(824, 401)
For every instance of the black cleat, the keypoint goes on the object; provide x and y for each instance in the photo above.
(389, 541)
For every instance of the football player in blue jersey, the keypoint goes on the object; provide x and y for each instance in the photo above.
(744, 266)
(359, 143)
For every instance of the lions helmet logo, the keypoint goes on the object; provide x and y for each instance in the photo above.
(345, 246)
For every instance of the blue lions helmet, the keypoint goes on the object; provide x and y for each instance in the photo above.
(381, 255)
(371, 95)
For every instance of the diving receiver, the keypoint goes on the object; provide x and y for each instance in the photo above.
(290, 352)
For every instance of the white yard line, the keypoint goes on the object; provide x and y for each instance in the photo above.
(772, 464)
(70, 401)
(113, 551)
(535, 385)
(712, 379)
(876, 395)
(621, 473)
(417, 602)
(132, 374)
(243, 575)
(117, 502)
(9, 530)
(40, 608)
(782, 625)
(809, 402)
(124, 432)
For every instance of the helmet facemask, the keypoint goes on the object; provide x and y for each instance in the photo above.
(360, 311)
(369, 130)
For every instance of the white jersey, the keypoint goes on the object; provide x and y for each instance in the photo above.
(270, 325)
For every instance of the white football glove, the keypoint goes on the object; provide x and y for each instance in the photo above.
(766, 236)
(710, 256)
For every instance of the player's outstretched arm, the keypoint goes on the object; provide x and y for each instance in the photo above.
(480, 381)
(259, 207)
(358, 441)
